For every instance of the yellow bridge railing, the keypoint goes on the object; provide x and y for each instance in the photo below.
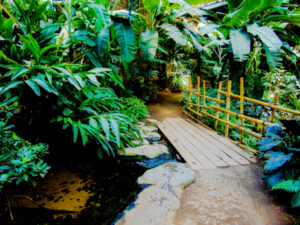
(201, 110)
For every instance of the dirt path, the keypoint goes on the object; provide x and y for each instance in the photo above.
(234, 195)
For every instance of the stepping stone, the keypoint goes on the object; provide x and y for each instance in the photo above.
(150, 151)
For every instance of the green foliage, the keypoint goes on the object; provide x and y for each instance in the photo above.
(20, 161)
(58, 62)
(281, 153)
(134, 108)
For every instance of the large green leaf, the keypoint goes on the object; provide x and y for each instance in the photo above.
(292, 19)
(276, 160)
(209, 28)
(102, 41)
(194, 40)
(240, 44)
(266, 35)
(151, 5)
(188, 8)
(174, 33)
(150, 39)
(125, 37)
(274, 59)
(103, 18)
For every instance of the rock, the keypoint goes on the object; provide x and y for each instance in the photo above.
(151, 122)
(150, 151)
(149, 129)
(155, 206)
(138, 143)
(157, 161)
(152, 136)
(172, 174)
(141, 124)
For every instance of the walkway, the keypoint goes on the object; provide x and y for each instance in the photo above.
(226, 195)
(202, 148)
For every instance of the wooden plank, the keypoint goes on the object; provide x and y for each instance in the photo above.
(226, 142)
(219, 145)
(187, 156)
(189, 147)
(200, 146)
(208, 142)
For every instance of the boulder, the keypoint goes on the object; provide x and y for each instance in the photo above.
(154, 206)
(152, 136)
(150, 151)
(138, 143)
(148, 129)
(151, 122)
(172, 174)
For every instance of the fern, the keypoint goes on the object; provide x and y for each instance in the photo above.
(288, 185)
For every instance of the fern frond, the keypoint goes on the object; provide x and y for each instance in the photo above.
(288, 185)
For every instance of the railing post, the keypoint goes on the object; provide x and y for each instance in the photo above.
(241, 106)
(227, 107)
(204, 96)
(273, 110)
(198, 91)
(218, 104)
(190, 89)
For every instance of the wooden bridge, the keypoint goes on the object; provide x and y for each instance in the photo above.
(204, 148)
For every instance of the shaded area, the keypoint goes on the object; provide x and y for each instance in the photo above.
(87, 193)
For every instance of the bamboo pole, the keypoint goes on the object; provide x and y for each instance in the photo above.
(297, 113)
(229, 124)
(243, 116)
(207, 97)
(228, 108)
(198, 91)
(273, 110)
(218, 104)
(190, 89)
(245, 147)
(204, 96)
(257, 135)
(241, 106)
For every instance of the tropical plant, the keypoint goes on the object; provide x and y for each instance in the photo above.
(281, 153)
(44, 66)
(134, 108)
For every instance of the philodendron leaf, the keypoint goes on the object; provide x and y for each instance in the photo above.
(267, 144)
(174, 33)
(273, 179)
(276, 160)
(240, 44)
(296, 200)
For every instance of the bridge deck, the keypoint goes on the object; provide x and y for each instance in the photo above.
(202, 148)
